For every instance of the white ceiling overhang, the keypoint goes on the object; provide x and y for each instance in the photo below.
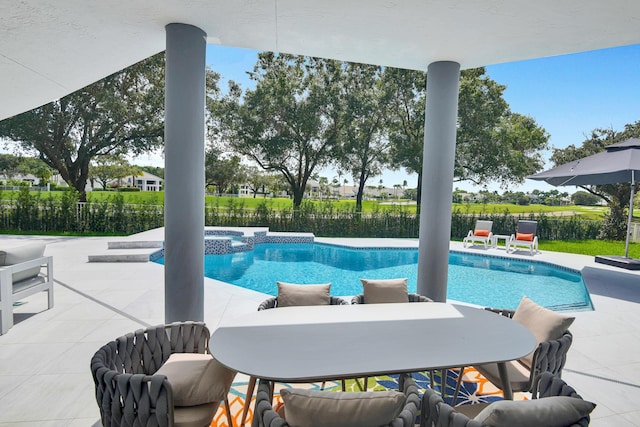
(49, 48)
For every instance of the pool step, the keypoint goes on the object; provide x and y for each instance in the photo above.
(134, 244)
(123, 255)
(219, 245)
(127, 251)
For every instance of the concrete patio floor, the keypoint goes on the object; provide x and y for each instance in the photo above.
(44, 359)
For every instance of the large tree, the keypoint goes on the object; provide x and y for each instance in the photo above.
(289, 123)
(616, 195)
(107, 169)
(122, 113)
(492, 143)
(364, 149)
(222, 170)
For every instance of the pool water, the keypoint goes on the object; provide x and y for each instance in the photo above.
(476, 279)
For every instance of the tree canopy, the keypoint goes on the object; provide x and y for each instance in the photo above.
(222, 171)
(289, 122)
(122, 113)
(492, 142)
(365, 146)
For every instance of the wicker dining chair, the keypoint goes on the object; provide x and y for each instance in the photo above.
(130, 393)
(266, 416)
(549, 356)
(436, 413)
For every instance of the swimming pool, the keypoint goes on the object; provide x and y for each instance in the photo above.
(476, 279)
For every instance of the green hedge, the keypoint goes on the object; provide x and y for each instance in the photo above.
(27, 212)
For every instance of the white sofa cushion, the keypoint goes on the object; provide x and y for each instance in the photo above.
(21, 254)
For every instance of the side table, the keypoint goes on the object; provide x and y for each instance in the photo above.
(496, 237)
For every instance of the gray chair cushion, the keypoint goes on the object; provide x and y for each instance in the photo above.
(328, 409)
(556, 411)
(544, 324)
(196, 378)
(21, 254)
(519, 374)
(194, 416)
(385, 291)
(290, 294)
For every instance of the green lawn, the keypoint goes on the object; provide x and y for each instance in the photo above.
(590, 247)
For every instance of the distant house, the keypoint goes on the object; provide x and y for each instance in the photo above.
(29, 178)
(244, 190)
(145, 182)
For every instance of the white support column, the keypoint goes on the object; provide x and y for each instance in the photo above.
(437, 178)
(184, 173)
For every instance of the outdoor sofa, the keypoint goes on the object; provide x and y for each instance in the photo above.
(21, 275)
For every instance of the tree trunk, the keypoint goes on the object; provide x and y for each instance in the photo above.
(298, 195)
(360, 194)
(82, 193)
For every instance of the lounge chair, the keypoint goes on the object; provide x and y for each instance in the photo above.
(379, 408)
(294, 295)
(22, 275)
(525, 236)
(554, 402)
(160, 376)
(481, 233)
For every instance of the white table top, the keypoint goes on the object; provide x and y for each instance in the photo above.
(300, 344)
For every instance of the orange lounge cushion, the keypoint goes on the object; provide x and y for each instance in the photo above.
(481, 233)
(525, 237)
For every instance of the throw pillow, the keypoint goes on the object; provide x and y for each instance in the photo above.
(481, 233)
(196, 378)
(385, 291)
(290, 294)
(543, 323)
(311, 408)
(524, 237)
(556, 411)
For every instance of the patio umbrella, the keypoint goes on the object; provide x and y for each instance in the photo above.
(620, 163)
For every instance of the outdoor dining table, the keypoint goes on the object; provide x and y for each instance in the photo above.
(317, 343)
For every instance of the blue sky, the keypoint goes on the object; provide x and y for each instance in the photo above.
(568, 95)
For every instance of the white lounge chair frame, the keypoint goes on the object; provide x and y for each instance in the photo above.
(485, 240)
(524, 227)
(11, 292)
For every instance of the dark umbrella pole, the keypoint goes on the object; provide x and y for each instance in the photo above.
(633, 193)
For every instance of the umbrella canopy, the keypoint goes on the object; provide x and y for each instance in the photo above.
(619, 164)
